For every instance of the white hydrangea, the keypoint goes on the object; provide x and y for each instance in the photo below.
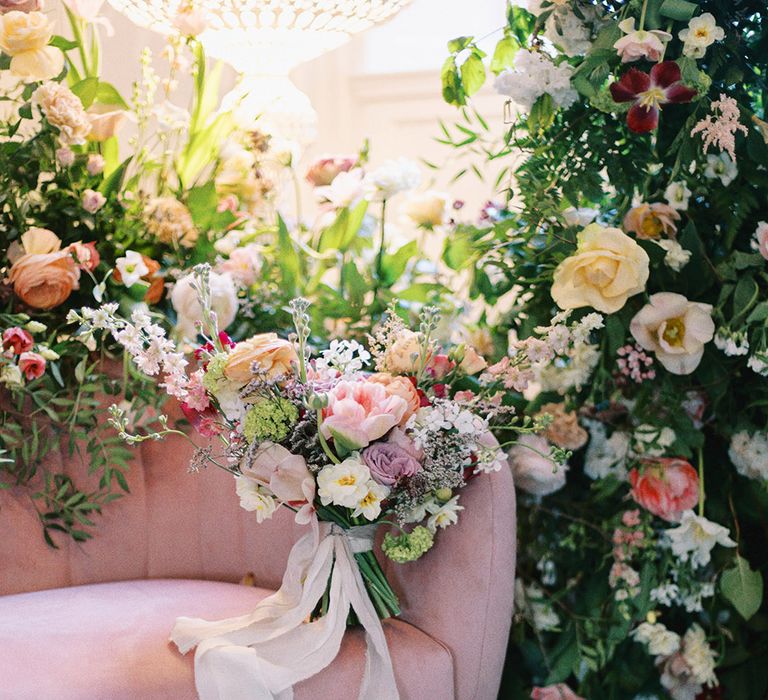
(749, 454)
(665, 594)
(348, 357)
(569, 32)
(732, 343)
(534, 75)
(571, 372)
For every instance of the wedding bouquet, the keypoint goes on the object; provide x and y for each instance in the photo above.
(353, 437)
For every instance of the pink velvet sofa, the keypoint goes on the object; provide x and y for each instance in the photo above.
(91, 621)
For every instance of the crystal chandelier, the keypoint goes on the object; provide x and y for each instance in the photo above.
(265, 39)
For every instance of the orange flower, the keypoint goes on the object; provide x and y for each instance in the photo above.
(44, 280)
(274, 356)
(156, 282)
(652, 221)
(402, 387)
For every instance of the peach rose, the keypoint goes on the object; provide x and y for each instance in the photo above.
(564, 431)
(652, 221)
(402, 387)
(607, 268)
(40, 240)
(274, 356)
(404, 355)
(473, 361)
(44, 280)
(105, 121)
(534, 471)
(24, 36)
(665, 487)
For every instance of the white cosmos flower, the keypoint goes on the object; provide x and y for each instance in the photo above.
(695, 538)
(444, 514)
(370, 504)
(344, 484)
(253, 498)
(132, 267)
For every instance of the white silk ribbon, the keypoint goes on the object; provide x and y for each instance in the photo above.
(261, 655)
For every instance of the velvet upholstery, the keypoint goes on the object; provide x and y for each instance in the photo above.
(457, 600)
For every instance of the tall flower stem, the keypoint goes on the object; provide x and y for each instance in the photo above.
(642, 14)
(701, 482)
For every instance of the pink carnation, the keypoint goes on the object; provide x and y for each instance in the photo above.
(360, 412)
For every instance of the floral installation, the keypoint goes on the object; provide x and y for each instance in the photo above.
(642, 200)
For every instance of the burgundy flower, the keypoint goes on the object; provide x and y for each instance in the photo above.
(204, 422)
(226, 341)
(649, 92)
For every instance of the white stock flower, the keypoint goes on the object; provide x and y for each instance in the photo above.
(344, 484)
(606, 456)
(443, 514)
(695, 538)
(187, 305)
(701, 32)
(721, 166)
(678, 195)
(131, 267)
(676, 257)
(749, 454)
(534, 75)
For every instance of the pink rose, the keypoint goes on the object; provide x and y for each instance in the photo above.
(389, 462)
(760, 242)
(93, 201)
(95, 164)
(360, 412)
(554, 692)
(17, 339)
(244, 264)
(324, 171)
(533, 470)
(665, 487)
(32, 364)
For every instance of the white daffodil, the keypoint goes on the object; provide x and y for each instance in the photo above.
(444, 514)
(370, 504)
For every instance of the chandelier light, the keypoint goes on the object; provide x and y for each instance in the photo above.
(265, 39)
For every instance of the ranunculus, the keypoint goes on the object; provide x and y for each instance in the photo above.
(105, 121)
(44, 280)
(427, 209)
(17, 339)
(19, 6)
(64, 110)
(404, 355)
(93, 201)
(244, 264)
(24, 36)
(95, 164)
(32, 365)
(607, 268)
(389, 462)
(324, 171)
(533, 470)
(651, 221)
(85, 254)
(472, 362)
(188, 309)
(560, 691)
(275, 357)
(402, 387)
(360, 412)
(665, 486)
(285, 474)
(637, 44)
(675, 329)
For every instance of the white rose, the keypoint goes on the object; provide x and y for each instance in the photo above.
(533, 470)
(427, 209)
(188, 309)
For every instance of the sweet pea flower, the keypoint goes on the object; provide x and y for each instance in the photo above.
(17, 339)
(360, 412)
(675, 329)
(649, 92)
(666, 487)
(639, 43)
(32, 365)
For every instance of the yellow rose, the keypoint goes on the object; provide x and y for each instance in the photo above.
(607, 268)
(24, 36)
(274, 356)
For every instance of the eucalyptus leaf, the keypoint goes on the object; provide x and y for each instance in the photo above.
(743, 588)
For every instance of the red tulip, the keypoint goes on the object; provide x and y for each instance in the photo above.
(649, 92)
(666, 487)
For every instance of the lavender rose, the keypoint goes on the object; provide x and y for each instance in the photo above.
(389, 462)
